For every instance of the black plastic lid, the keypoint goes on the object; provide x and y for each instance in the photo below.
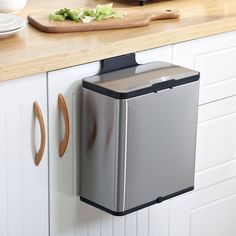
(139, 80)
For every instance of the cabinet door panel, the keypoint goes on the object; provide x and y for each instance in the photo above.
(142, 222)
(215, 174)
(209, 211)
(94, 226)
(68, 215)
(217, 109)
(24, 186)
(3, 174)
(215, 214)
(215, 61)
(118, 226)
(184, 53)
(216, 66)
(210, 208)
(217, 135)
(130, 224)
(106, 224)
(217, 91)
(159, 213)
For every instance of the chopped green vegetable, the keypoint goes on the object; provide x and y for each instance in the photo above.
(100, 12)
(56, 17)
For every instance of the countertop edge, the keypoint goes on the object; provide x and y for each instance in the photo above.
(158, 39)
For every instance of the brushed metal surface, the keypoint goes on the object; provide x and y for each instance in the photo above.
(136, 150)
(99, 149)
(161, 143)
(122, 155)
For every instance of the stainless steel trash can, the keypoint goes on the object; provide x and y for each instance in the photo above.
(138, 136)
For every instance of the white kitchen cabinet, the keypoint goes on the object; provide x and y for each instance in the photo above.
(209, 211)
(215, 58)
(210, 208)
(23, 185)
(68, 215)
(216, 134)
(155, 54)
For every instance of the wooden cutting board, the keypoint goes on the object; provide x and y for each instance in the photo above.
(134, 18)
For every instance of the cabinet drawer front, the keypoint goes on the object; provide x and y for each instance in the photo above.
(216, 140)
(216, 66)
(217, 91)
(216, 109)
(218, 74)
(215, 60)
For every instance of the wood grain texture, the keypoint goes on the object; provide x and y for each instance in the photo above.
(63, 108)
(31, 51)
(38, 114)
(133, 19)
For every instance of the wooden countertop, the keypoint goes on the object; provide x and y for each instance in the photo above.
(31, 51)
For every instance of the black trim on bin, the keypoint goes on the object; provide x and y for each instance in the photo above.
(122, 213)
(154, 88)
(118, 63)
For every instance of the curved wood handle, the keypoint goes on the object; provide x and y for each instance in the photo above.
(64, 111)
(38, 114)
(164, 15)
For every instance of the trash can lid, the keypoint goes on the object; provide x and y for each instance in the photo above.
(141, 79)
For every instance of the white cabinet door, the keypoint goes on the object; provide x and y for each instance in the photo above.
(216, 136)
(23, 185)
(68, 215)
(210, 211)
(215, 58)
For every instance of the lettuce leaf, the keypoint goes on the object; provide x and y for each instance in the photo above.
(85, 15)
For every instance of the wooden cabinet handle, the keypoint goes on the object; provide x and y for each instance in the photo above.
(64, 111)
(38, 114)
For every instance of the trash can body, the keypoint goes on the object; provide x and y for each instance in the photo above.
(138, 136)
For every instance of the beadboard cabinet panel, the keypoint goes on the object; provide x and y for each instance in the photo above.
(3, 175)
(23, 185)
(159, 213)
(68, 215)
(130, 226)
(142, 222)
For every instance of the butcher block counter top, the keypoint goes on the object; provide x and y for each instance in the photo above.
(31, 51)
